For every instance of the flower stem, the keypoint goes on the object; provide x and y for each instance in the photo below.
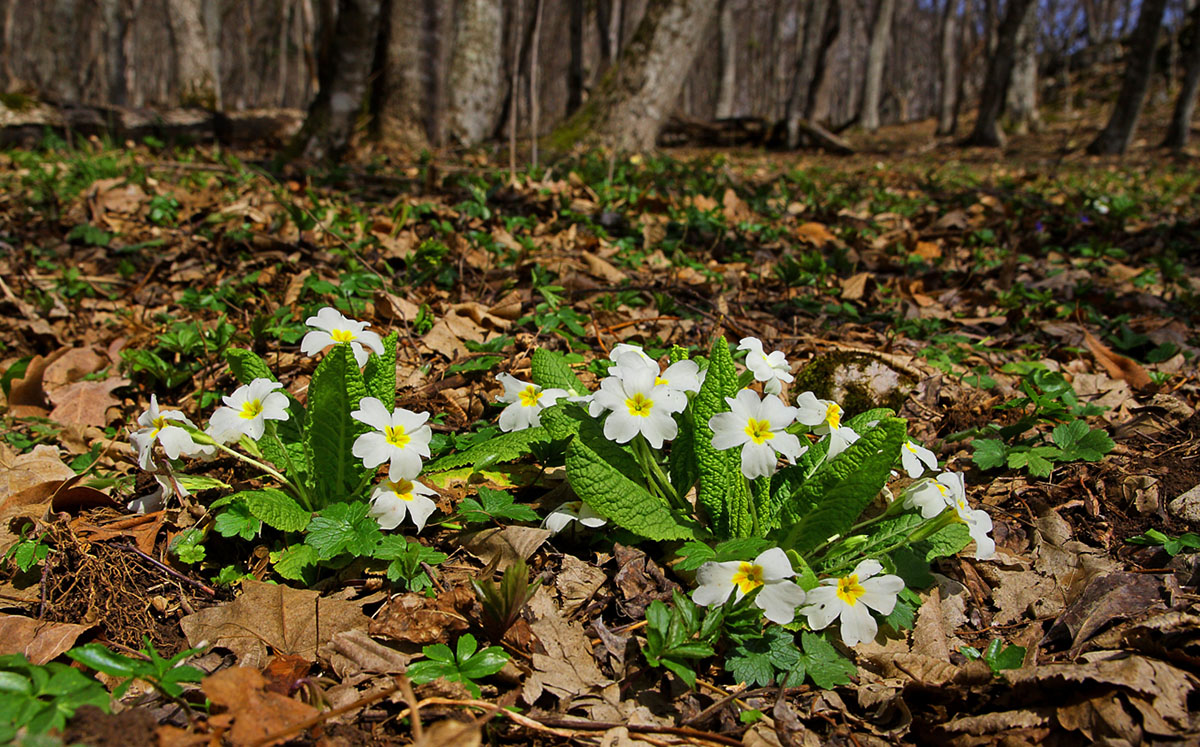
(301, 495)
(658, 478)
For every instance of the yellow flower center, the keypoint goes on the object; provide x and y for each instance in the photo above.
(639, 405)
(396, 436)
(748, 577)
(849, 590)
(910, 446)
(660, 381)
(759, 430)
(942, 489)
(342, 335)
(529, 396)
(833, 415)
(403, 489)
(251, 409)
(159, 423)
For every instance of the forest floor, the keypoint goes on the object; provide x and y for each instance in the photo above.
(975, 278)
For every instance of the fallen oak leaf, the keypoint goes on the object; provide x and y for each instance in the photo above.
(86, 402)
(1118, 366)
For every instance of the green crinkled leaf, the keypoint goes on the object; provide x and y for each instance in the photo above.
(722, 490)
(859, 422)
(946, 542)
(247, 366)
(550, 371)
(562, 420)
(292, 562)
(277, 509)
(599, 471)
(824, 663)
(344, 528)
(506, 447)
(1080, 442)
(237, 521)
(380, 372)
(830, 501)
(989, 453)
(681, 463)
(336, 388)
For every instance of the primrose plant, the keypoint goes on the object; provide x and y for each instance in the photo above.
(322, 458)
(786, 514)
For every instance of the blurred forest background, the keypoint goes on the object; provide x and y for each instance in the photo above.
(621, 73)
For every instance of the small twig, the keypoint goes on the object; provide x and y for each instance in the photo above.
(166, 568)
(418, 731)
(679, 731)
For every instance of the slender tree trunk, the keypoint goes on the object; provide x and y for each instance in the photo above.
(628, 107)
(727, 91)
(881, 34)
(1185, 103)
(999, 73)
(343, 68)
(1022, 91)
(575, 66)
(1117, 134)
(948, 100)
(475, 82)
(193, 58)
(821, 26)
(400, 100)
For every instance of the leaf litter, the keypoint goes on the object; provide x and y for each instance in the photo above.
(954, 275)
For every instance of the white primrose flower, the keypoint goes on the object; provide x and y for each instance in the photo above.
(155, 500)
(773, 370)
(849, 598)
(393, 500)
(978, 525)
(400, 438)
(158, 426)
(561, 517)
(682, 376)
(770, 571)
(637, 404)
(247, 410)
(932, 497)
(915, 458)
(757, 425)
(824, 417)
(331, 328)
(525, 402)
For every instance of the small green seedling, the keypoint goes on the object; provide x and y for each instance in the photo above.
(1173, 545)
(676, 636)
(165, 675)
(464, 664)
(997, 656)
(37, 699)
(502, 603)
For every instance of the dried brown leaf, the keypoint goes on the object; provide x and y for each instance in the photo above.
(86, 402)
(1118, 366)
(416, 618)
(39, 640)
(255, 713)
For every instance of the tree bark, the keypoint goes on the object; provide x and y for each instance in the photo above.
(881, 34)
(1116, 135)
(343, 67)
(1022, 100)
(475, 81)
(193, 58)
(948, 100)
(727, 85)
(995, 84)
(575, 66)
(821, 27)
(1185, 103)
(632, 101)
(400, 100)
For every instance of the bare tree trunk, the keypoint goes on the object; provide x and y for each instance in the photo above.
(1116, 135)
(475, 81)
(1022, 90)
(948, 100)
(727, 26)
(999, 73)
(821, 26)
(534, 42)
(343, 67)
(575, 66)
(881, 34)
(1185, 103)
(630, 104)
(400, 100)
(193, 58)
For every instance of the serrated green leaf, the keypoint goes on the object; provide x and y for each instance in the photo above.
(247, 366)
(562, 420)
(493, 505)
(722, 491)
(825, 664)
(681, 462)
(860, 422)
(693, 555)
(237, 521)
(277, 509)
(379, 374)
(343, 528)
(506, 447)
(989, 453)
(550, 371)
(830, 501)
(334, 392)
(1079, 442)
(599, 472)
(1039, 460)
